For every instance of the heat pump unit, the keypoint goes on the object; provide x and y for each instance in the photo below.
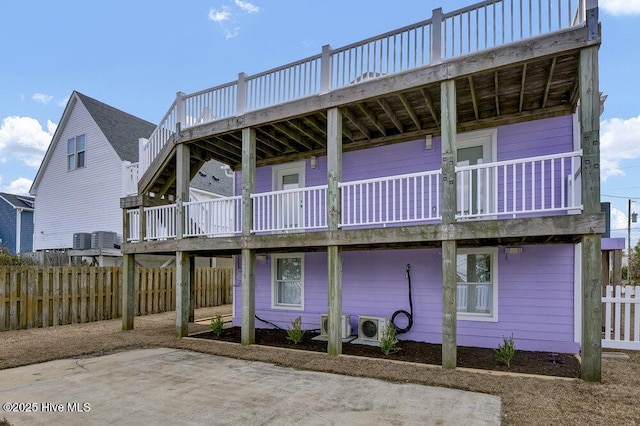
(345, 326)
(371, 328)
(82, 241)
(103, 239)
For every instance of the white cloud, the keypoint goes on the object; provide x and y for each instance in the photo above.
(24, 138)
(19, 186)
(619, 140)
(621, 7)
(220, 15)
(618, 219)
(231, 32)
(247, 7)
(42, 98)
(63, 102)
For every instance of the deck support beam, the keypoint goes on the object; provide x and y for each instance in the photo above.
(449, 204)
(591, 243)
(182, 293)
(128, 291)
(192, 288)
(248, 329)
(334, 253)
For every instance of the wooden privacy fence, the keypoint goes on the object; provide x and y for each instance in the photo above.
(44, 296)
(621, 317)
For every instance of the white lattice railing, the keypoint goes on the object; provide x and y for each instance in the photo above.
(471, 29)
(213, 218)
(621, 317)
(391, 200)
(522, 186)
(290, 209)
(161, 222)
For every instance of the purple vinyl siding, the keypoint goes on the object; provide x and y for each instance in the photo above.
(517, 141)
(535, 288)
(535, 295)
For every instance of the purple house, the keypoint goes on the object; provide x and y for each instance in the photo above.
(443, 177)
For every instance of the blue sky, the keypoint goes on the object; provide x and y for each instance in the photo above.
(135, 55)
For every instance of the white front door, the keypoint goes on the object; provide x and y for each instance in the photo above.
(289, 207)
(475, 187)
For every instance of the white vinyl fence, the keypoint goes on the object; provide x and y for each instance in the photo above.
(621, 317)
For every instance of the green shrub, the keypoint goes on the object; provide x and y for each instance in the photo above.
(295, 333)
(217, 325)
(505, 351)
(388, 341)
(7, 259)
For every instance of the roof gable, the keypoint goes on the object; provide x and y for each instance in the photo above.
(18, 201)
(122, 130)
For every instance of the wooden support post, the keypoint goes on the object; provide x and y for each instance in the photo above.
(143, 224)
(248, 330)
(183, 177)
(128, 291)
(616, 269)
(334, 213)
(449, 307)
(334, 260)
(182, 294)
(192, 288)
(449, 207)
(591, 254)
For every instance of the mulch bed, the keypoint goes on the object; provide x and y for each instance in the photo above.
(543, 363)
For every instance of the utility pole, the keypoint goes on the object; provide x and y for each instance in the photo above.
(631, 217)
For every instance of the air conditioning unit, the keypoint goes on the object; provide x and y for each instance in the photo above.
(103, 239)
(345, 325)
(81, 241)
(371, 328)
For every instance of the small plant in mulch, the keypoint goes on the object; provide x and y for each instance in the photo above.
(295, 333)
(4, 422)
(388, 341)
(217, 325)
(505, 351)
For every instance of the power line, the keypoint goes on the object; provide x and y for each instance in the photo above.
(620, 196)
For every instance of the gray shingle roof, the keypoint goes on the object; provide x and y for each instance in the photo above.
(19, 201)
(121, 129)
(212, 178)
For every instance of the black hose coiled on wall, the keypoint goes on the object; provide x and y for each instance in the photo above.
(409, 315)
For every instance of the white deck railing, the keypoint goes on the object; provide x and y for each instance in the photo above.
(522, 186)
(389, 53)
(498, 22)
(392, 200)
(283, 84)
(130, 177)
(210, 104)
(485, 25)
(290, 209)
(621, 317)
(161, 222)
(213, 218)
(133, 233)
(160, 136)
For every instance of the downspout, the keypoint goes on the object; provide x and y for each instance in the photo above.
(18, 230)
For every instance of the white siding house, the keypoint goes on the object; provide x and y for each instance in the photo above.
(78, 188)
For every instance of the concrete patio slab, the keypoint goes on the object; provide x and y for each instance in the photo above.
(168, 386)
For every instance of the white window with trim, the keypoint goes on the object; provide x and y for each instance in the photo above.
(76, 148)
(477, 291)
(287, 281)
